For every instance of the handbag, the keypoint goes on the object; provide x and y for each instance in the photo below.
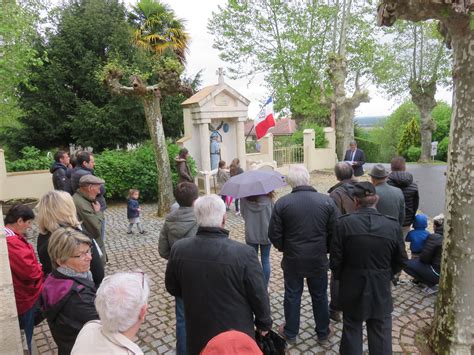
(271, 343)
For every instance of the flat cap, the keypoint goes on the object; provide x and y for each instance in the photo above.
(90, 180)
(363, 189)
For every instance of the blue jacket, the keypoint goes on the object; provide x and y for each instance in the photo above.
(417, 236)
(132, 208)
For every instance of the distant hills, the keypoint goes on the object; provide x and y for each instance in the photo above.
(369, 121)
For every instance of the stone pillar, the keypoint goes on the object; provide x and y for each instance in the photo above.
(10, 338)
(240, 140)
(330, 135)
(204, 147)
(308, 147)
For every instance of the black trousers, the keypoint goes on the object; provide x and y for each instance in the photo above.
(379, 334)
(334, 289)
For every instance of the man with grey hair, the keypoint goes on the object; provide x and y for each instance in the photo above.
(121, 302)
(220, 280)
(356, 158)
(301, 227)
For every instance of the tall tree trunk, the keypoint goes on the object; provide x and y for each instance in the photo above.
(453, 330)
(344, 107)
(151, 104)
(151, 98)
(423, 96)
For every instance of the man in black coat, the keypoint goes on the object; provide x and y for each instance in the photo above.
(301, 227)
(367, 250)
(356, 158)
(402, 179)
(61, 172)
(220, 280)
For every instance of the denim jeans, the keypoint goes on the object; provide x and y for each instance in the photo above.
(236, 203)
(317, 287)
(180, 327)
(265, 259)
(27, 323)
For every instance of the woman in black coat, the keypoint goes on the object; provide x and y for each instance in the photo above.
(56, 209)
(69, 292)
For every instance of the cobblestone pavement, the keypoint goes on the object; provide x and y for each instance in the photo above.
(412, 308)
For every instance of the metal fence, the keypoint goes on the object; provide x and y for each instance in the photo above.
(288, 155)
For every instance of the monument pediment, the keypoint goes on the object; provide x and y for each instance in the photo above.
(221, 96)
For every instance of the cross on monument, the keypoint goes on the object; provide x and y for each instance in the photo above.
(220, 73)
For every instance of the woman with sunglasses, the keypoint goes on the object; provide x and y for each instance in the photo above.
(69, 291)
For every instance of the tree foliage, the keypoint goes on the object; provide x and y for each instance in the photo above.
(290, 44)
(410, 137)
(17, 56)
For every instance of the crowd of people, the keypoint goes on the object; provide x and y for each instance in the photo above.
(357, 231)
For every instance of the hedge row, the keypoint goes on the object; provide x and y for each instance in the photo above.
(122, 170)
(371, 149)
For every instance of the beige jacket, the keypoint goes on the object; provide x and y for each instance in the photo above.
(92, 339)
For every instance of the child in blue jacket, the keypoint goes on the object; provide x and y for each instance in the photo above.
(133, 211)
(418, 235)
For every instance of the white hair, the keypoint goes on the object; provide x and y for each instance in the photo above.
(209, 211)
(120, 299)
(298, 176)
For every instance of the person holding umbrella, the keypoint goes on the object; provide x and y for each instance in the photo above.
(257, 211)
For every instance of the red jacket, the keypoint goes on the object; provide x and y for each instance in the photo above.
(27, 273)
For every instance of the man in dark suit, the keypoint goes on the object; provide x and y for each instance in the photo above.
(366, 251)
(356, 158)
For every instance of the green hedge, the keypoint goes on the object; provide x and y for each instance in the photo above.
(371, 149)
(135, 169)
(32, 159)
(122, 170)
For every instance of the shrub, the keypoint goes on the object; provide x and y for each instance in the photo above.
(371, 149)
(410, 137)
(32, 159)
(442, 153)
(413, 153)
(124, 170)
(320, 140)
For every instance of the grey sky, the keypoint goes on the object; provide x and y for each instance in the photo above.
(203, 56)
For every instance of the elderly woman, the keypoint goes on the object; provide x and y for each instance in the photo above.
(69, 291)
(122, 305)
(56, 209)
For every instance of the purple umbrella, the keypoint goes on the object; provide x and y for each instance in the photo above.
(253, 183)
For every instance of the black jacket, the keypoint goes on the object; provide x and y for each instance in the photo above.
(432, 250)
(76, 175)
(221, 283)
(68, 303)
(61, 177)
(97, 268)
(359, 161)
(367, 250)
(301, 227)
(404, 181)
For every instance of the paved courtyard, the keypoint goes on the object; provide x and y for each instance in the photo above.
(413, 308)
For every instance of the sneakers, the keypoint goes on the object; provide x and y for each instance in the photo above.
(281, 332)
(237, 213)
(431, 290)
(129, 232)
(325, 341)
(143, 232)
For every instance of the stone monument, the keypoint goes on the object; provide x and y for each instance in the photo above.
(215, 110)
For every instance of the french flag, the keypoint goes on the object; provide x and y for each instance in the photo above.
(265, 119)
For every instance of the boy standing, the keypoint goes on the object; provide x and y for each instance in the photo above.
(179, 224)
(133, 211)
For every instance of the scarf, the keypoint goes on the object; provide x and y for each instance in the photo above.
(71, 273)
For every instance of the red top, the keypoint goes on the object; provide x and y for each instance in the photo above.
(27, 273)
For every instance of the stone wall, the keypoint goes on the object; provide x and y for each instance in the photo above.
(23, 184)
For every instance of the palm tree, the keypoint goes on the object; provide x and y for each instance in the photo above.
(157, 29)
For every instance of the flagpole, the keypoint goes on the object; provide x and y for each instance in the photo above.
(261, 107)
